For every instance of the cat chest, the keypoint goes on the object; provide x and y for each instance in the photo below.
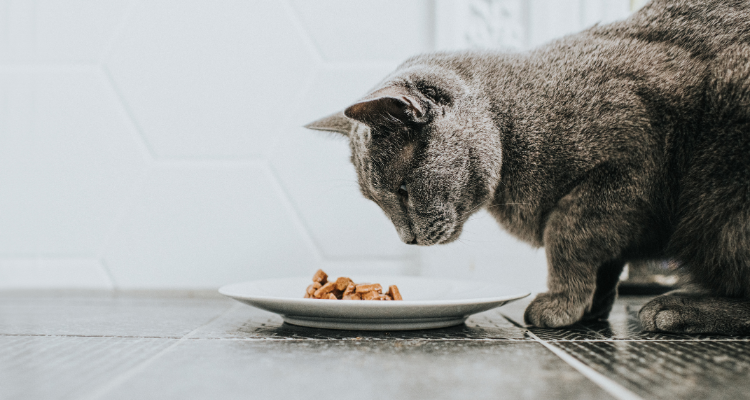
(521, 220)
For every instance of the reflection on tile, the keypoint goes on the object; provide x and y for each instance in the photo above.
(244, 322)
(671, 370)
(514, 312)
(574, 332)
(33, 367)
(102, 315)
(416, 369)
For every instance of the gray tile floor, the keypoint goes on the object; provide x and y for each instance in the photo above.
(154, 345)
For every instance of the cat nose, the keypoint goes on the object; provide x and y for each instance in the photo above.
(413, 241)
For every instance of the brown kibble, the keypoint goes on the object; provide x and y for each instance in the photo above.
(343, 288)
(394, 293)
(371, 295)
(342, 283)
(353, 296)
(369, 287)
(312, 288)
(310, 291)
(324, 290)
(350, 289)
(321, 277)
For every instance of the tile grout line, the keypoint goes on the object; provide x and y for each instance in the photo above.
(123, 377)
(150, 152)
(284, 339)
(607, 384)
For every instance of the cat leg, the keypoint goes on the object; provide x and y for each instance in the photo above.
(607, 278)
(585, 300)
(587, 231)
(711, 241)
(683, 312)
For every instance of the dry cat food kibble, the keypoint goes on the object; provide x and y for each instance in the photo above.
(345, 289)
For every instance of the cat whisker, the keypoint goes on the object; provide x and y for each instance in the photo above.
(508, 204)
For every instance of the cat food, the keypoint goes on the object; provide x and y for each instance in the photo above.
(345, 289)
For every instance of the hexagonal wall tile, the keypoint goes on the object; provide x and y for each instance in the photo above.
(78, 30)
(205, 226)
(210, 80)
(315, 170)
(69, 161)
(46, 273)
(551, 19)
(347, 30)
(58, 31)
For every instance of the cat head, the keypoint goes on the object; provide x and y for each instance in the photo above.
(425, 150)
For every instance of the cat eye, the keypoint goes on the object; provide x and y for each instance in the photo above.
(434, 95)
(430, 92)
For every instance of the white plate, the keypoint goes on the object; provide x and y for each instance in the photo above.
(428, 303)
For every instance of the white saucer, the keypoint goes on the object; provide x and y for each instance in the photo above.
(428, 303)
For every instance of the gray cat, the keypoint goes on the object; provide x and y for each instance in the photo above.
(627, 141)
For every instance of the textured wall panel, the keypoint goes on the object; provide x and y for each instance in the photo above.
(315, 170)
(210, 79)
(53, 273)
(71, 31)
(159, 143)
(346, 31)
(76, 30)
(69, 162)
(204, 226)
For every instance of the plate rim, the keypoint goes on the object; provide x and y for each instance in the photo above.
(519, 294)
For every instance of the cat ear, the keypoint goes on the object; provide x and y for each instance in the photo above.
(387, 106)
(337, 122)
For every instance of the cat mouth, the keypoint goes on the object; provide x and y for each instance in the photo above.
(446, 234)
(407, 235)
(453, 236)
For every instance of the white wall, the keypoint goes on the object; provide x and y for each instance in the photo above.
(158, 144)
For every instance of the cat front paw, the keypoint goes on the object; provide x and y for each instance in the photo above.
(671, 313)
(549, 310)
